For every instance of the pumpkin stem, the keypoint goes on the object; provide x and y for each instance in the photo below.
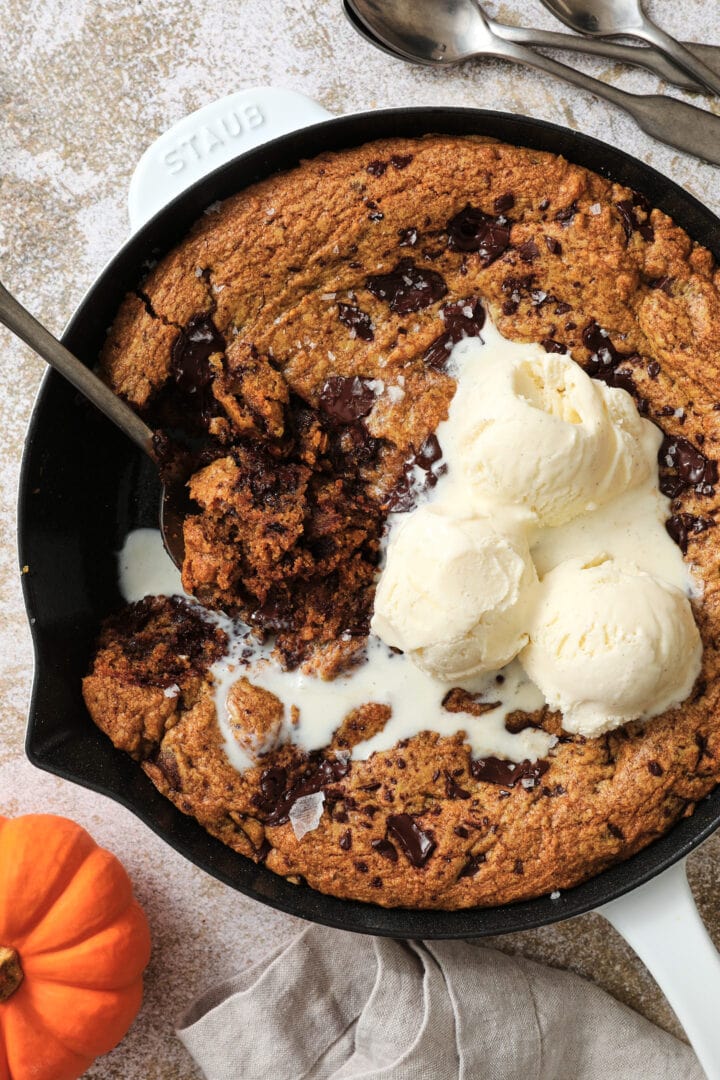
(11, 974)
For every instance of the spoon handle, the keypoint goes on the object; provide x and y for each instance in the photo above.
(17, 319)
(651, 59)
(679, 54)
(683, 126)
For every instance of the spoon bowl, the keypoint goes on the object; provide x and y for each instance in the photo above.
(626, 18)
(598, 18)
(432, 32)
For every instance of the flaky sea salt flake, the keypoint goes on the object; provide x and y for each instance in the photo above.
(306, 812)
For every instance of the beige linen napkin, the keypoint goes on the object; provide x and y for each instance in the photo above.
(338, 1006)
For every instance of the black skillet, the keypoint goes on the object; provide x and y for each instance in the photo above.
(84, 486)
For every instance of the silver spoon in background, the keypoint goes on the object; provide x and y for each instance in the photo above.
(439, 33)
(625, 18)
(549, 39)
(17, 319)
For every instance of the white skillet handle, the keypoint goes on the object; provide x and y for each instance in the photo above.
(662, 924)
(205, 139)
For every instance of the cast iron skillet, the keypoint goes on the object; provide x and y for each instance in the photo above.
(83, 486)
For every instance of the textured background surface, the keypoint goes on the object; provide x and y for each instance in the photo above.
(85, 85)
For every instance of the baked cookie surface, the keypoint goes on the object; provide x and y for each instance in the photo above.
(302, 331)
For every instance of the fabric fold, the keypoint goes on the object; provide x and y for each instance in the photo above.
(338, 1006)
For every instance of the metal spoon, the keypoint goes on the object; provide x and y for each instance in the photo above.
(625, 18)
(439, 33)
(17, 319)
(548, 39)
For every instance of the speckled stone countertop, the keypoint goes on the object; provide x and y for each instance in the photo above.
(85, 86)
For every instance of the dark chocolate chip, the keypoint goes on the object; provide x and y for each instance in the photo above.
(682, 527)
(567, 214)
(400, 161)
(386, 849)
(665, 283)
(503, 203)
(358, 321)
(554, 246)
(472, 866)
(376, 168)
(420, 472)
(417, 844)
(463, 318)
(345, 840)
(552, 346)
(494, 770)
(473, 231)
(528, 251)
(684, 466)
(407, 288)
(345, 399)
(453, 789)
(655, 768)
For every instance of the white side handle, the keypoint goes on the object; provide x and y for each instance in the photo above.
(205, 139)
(662, 924)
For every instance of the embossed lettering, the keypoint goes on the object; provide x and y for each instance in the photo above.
(173, 162)
(254, 116)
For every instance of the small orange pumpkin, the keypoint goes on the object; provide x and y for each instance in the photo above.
(73, 946)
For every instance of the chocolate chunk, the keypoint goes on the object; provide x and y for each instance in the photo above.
(552, 346)
(554, 246)
(509, 307)
(472, 866)
(472, 230)
(453, 789)
(464, 318)
(494, 770)
(194, 346)
(503, 203)
(400, 161)
(683, 466)
(653, 369)
(421, 471)
(345, 840)
(361, 866)
(518, 867)
(460, 830)
(528, 251)
(627, 209)
(665, 283)
(276, 798)
(408, 237)
(567, 214)
(417, 844)
(407, 288)
(357, 320)
(345, 399)
(386, 849)
(605, 362)
(376, 168)
(682, 527)
(655, 768)
(543, 204)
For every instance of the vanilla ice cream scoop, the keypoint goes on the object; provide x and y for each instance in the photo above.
(454, 594)
(535, 432)
(610, 644)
